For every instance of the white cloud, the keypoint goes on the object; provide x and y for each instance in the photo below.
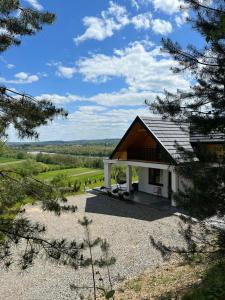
(5, 62)
(66, 72)
(59, 99)
(141, 68)
(116, 18)
(10, 66)
(142, 21)
(135, 4)
(61, 70)
(105, 124)
(161, 26)
(86, 123)
(92, 108)
(35, 4)
(124, 97)
(100, 28)
(181, 19)
(20, 78)
(89, 122)
(167, 6)
(138, 3)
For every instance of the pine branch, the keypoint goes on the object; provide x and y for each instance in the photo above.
(200, 5)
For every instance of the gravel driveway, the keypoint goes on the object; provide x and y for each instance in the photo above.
(126, 227)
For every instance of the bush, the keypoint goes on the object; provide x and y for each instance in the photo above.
(212, 286)
(70, 161)
(76, 186)
(20, 155)
(30, 167)
(59, 180)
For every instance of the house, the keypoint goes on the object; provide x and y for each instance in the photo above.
(150, 144)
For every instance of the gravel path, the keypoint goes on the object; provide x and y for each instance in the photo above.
(126, 227)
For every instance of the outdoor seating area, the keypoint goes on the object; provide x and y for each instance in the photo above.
(135, 196)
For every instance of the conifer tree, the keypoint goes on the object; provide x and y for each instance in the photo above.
(25, 114)
(202, 106)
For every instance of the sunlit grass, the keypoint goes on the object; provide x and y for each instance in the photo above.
(72, 172)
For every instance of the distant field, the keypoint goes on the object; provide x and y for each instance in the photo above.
(7, 159)
(80, 173)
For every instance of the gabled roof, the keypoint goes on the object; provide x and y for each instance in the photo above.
(169, 134)
(216, 137)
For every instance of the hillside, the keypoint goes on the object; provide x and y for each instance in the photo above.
(105, 142)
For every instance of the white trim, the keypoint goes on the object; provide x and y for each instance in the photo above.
(140, 164)
(107, 175)
(129, 178)
(174, 185)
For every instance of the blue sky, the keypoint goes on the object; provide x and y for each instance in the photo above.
(100, 60)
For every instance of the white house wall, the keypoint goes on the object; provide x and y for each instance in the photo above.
(144, 186)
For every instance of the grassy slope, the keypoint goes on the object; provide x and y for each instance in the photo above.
(197, 281)
(8, 160)
(77, 173)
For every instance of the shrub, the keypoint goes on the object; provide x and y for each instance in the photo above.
(76, 186)
(21, 155)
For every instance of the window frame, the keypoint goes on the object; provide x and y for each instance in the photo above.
(152, 177)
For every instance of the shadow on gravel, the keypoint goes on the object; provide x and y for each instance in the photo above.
(102, 204)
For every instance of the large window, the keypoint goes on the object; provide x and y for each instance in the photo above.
(154, 177)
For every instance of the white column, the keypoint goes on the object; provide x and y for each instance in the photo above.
(174, 185)
(165, 183)
(107, 174)
(129, 178)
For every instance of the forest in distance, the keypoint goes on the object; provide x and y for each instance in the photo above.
(90, 148)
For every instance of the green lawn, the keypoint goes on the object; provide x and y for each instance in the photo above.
(85, 177)
(4, 160)
(76, 173)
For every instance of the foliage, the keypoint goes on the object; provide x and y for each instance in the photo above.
(202, 106)
(199, 237)
(105, 261)
(21, 110)
(25, 114)
(177, 281)
(211, 287)
(70, 160)
(118, 173)
(204, 244)
(99, 149)
(17, 21)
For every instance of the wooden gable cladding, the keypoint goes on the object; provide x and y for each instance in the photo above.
(139, 144)
(212, 148)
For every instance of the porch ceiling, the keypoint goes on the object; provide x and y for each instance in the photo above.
(139, 164)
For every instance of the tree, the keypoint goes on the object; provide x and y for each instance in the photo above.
(25, 113)
(203, 105)
(21, 110)
(104, 261)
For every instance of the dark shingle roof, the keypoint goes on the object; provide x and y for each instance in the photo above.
(196, 137)
(169, 134)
